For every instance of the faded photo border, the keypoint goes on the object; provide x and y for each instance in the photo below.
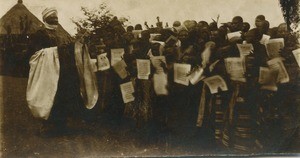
(284, 11)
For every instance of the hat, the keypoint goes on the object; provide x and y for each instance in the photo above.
(49, 11)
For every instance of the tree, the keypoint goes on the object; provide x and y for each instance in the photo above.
(290, 10)
(94, 20)
(98, 24)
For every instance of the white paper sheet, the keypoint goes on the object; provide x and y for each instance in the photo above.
(235, 67)
(233, 34)
(297, 55)
(245, 49)
(277, 65)
(160, 82)
(153, 35)
(180, 73)
(214, 83)
(273, 47)
(103, 62)
(127, 91)
(196, 76)
(137, 33)
(267, 79)
(156, 62)
(143, 68)
(120, 68)
(116, 55)
(265, 39)
(172, 40)
(94, 65)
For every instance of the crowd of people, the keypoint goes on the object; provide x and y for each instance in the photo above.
(225, 85)
(249, 110)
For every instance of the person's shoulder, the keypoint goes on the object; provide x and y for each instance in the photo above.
(41, 30)
(39, 33)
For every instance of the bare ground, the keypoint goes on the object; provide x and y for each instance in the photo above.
(101, 138)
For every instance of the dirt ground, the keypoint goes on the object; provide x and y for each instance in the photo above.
(104, 137)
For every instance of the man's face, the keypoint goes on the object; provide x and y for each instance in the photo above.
(183, 35)
(236, 25)
(52, 19)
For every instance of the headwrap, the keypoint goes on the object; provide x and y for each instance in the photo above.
(48, 11)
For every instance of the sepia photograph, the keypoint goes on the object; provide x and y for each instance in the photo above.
(149, 78)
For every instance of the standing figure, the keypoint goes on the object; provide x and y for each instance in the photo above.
(68, 86)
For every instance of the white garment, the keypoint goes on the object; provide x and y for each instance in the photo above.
(42, 81)
(88, 81)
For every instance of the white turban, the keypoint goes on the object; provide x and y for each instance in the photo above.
(48, 11)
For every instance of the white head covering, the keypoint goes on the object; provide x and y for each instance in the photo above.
(48, 11)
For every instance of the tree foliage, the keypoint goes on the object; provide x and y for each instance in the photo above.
(290, 10)
(94, 19)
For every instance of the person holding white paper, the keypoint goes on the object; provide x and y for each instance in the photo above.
(259, 56)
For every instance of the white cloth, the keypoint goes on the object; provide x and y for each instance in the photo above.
(50, 27)
(49, 11)
(42, 81)
(88, 82)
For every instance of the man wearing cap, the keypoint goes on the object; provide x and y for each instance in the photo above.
(68, 91)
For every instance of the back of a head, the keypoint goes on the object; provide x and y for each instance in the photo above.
(213, 26)
(282, 30)
(236, 24)
(246, 27)
(238, 19)
(176, 24)
(202, 24)
(259, 20)
(138, 27)
(260, 17)
(265, 26)
(129, 28)
(253, 35)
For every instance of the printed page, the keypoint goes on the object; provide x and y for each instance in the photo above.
(127, 91)
(120, 68)
(273, 47)
(181, 73)
(245, 49)
(116, 55)
(160, 82)
(277, 65)
(235, 67)
(216, 82)
(267, 79)
(196, 75)
(157, 61)
(143, 68)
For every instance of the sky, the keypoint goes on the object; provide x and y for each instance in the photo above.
(139, 11)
